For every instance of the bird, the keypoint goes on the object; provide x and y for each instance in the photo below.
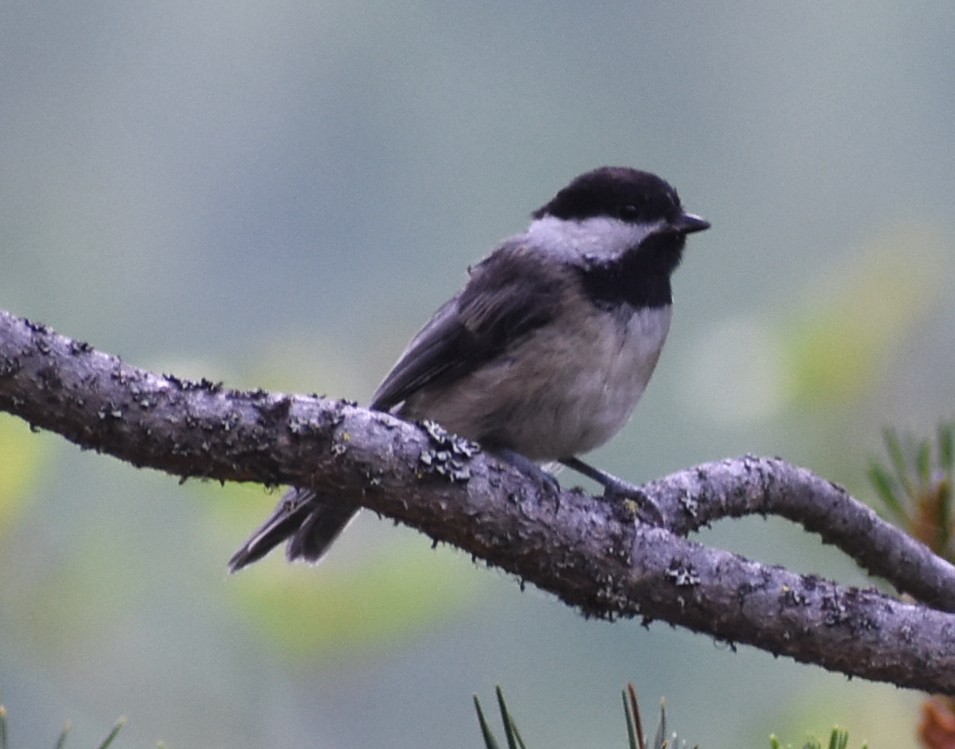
(542, 355)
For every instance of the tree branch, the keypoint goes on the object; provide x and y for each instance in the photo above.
(594, 555)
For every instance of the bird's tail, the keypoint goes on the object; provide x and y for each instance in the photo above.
(308, 521)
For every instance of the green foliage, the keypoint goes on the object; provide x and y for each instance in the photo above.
(342, 602)
(833, 351)
(22, 459)
(61, 741)
(915, 486)
(342, 608)
(514, 740)
(838, 739)
(631, 711)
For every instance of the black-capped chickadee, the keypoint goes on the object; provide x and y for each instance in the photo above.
(543, 354)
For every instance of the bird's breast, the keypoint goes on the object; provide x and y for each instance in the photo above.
(563, 391)
(606, 366)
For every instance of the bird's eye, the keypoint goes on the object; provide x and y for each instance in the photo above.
(629, 212)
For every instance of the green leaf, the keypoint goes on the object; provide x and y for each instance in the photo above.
(660, 737)
(946, 447)
(514, 740)
(112, 734)
(489, 740)
(631, 711)
(923, 463)
(885, 487)
(839, 739)
(897, 455)
(61, 742)
(631, 733)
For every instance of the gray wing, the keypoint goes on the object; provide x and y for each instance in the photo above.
(508, 295)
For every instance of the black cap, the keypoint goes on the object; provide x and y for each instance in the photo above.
(622, 193)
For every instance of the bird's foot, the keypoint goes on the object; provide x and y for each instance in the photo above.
(546, 480)
(616, 490)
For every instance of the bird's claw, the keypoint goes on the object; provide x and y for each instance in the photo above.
(617, 490)
(546, 480)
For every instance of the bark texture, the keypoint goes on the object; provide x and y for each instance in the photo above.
(602, 558)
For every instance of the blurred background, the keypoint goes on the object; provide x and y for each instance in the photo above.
(278, 194)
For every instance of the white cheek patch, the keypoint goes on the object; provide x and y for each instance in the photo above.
(601, 237)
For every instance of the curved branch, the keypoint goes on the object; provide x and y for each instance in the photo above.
(766, 486)
(594, 555)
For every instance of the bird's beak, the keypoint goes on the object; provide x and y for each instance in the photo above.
(689, 223)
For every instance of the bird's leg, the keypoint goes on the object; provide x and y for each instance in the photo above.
(529, 467)
(615, 488)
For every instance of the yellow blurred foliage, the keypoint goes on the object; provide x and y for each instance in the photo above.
(858, 315)
(382, 600)
(20, 461)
